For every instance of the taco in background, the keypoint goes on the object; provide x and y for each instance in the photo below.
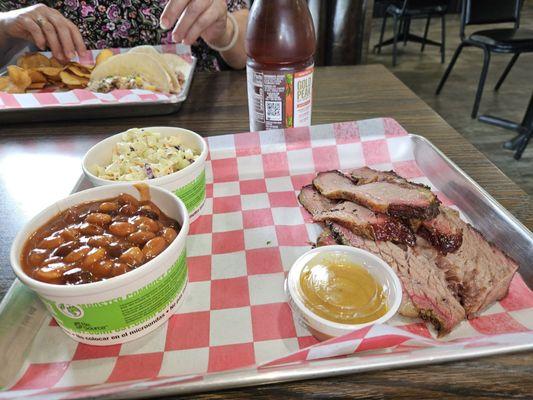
(178, 65)
(175, 85)
(130, 71)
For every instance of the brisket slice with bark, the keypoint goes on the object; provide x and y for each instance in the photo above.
(477, 271)
(422, 280)
(402, 200)
(358, 219)
(485, 272)
(442, 231)
(313, 201)
(366, 223)
(364, 175)
(451, 271)
(445, 231)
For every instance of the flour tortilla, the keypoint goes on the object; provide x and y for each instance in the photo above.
(178, 64)
(149, 50)
(143, 65)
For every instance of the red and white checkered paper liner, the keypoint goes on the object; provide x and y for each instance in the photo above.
(81, 97)
(235, 315)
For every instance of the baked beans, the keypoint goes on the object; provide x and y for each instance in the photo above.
(95, 241)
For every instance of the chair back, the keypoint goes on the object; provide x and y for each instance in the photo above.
(480, 12)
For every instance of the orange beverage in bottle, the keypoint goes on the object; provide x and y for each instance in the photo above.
(280, 44)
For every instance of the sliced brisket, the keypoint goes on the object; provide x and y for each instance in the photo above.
(403, 200)
(484, 271)
(326, 238)
(422, 280)
(357, 218)
(364, 175)
(367, 223)
(478, 272)
(451, 271)
(313, 201)
(445, 231)
(442, 231)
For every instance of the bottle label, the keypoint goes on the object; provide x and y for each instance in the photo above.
(279, 100)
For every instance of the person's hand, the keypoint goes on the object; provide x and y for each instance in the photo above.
(45, 27)
(192, 19)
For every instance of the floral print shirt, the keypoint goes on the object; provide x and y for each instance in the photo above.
(125, 23)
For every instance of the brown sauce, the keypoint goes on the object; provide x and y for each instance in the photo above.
(340, 291)
(98, 240)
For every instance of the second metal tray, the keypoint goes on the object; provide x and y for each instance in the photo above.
(98, 111)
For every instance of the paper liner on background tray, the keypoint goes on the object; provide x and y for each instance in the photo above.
(235, 324)
(53, 97)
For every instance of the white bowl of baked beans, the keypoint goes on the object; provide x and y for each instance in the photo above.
(109, 262)
(188, 183)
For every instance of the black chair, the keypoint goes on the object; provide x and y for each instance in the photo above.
(504, 40)
(524, 130)
(402, 12)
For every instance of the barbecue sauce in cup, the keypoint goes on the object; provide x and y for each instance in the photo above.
(341, 291)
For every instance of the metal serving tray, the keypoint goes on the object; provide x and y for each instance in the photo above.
(496, 223)
(491, 218)
(98, 111)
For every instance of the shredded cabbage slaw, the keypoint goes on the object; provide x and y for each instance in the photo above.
(143, 154)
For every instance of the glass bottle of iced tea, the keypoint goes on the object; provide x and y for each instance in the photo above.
(280, 44)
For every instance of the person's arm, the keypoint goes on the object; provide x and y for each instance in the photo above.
(209, 20)
(43, 26)
(236, 56)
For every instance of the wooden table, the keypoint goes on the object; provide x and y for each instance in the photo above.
(39, 163)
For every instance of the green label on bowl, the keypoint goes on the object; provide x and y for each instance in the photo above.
(193, 193)
(127, 311)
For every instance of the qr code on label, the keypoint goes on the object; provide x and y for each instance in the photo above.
(273, 110)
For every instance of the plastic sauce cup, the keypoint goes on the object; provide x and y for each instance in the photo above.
(124, 307)
(322, 328)
(188, 184)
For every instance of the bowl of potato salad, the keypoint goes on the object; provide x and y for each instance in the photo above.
(168, 157)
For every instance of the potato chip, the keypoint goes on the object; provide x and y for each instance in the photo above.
(78, 70)
(6, 85)
(4, 82)
(36, 76)
(35, 71)
(33, 60)
(37, 85)
(19, 77)
(103, 55)
(54, 63)
(71, 79)
(14, 89)
(50, 71)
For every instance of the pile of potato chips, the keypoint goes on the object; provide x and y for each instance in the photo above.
(35, 71)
